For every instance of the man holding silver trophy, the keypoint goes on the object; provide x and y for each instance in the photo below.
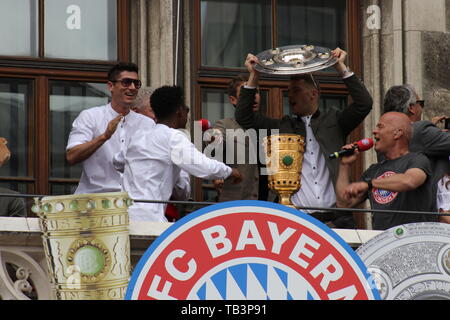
(323, 132)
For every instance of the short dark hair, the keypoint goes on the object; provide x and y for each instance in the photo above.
(399, 98)
(120, 67)
(235, 83)
(166, 100)
(308, 78)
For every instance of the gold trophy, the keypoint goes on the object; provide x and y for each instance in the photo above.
(284, 158)
(86, 244)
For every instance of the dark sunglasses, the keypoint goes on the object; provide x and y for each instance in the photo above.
(126, 82)
(421, 102)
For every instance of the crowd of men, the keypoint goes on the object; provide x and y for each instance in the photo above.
(134, 144)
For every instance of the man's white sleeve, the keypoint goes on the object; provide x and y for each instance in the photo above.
(82, 130)
(188, 158)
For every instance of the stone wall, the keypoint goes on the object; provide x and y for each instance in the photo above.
(152, 42)
(436, 73)
(155, 41)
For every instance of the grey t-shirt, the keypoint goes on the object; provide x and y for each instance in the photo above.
(419, 199)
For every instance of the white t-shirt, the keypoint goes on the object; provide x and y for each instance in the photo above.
(443, 194)
(154, 162)
(99, 174)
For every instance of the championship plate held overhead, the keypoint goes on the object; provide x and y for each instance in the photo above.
(250, 250)
(296, 59)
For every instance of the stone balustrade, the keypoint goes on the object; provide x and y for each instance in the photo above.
(23, 269)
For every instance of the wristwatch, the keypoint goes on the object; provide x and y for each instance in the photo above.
(369, 182)
(347, 73)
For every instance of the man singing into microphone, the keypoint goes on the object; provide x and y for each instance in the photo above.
(399, 183)
(361, 145)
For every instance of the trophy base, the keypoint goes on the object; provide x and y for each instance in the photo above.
(285, 199)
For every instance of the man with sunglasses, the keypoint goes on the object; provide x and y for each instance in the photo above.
(100, 132)
(426, 138)
(324, 132)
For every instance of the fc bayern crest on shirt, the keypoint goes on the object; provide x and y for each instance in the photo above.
(384, 196)
(250, 250)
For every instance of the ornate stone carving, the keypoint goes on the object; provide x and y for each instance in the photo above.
(410, 262)
(21, 276)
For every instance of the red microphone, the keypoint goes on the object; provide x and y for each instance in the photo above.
(361, 145)
(204, 123)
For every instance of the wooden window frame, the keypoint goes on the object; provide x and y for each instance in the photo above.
(42, 62)
(41, 70)
(213, 77)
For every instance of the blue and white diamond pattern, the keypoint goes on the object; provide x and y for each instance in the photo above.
(254, 281)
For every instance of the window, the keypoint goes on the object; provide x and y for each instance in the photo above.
(54, 60)
(72, 29)
(86, 28)
(231, 29)
(216, 106)
(321, 23)
(227, 30)
(19, 25)
(15, 125)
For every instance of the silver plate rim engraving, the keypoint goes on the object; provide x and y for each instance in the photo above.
(410, 261)
(294, 59)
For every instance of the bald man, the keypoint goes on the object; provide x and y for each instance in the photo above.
(142, 103)
(399, 183)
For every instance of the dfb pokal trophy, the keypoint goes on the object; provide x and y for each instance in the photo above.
(86, 244)
(284, 158)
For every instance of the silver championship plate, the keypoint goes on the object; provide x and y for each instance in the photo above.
(295, 59)
(410, 262)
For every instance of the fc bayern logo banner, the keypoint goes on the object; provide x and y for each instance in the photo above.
(250, 250)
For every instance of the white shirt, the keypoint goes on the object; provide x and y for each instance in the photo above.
(154, 161)
(443, 195)
(99, 174)
(317, 189)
